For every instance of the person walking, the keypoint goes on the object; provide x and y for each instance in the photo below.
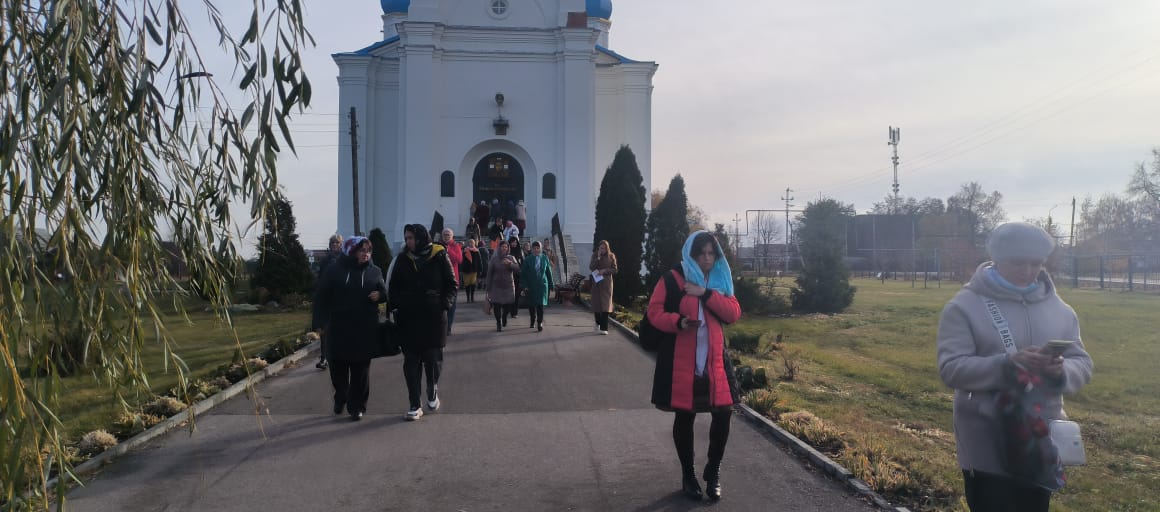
(333, 253)
(993, 350)
(470, 268)
(536, 275)
(522, 216)
(422, 288)
(455, 255)
(472, 231)
(602, 264)
(501, 286)
(510, 231)
(517, 252)
(482, 215)
(346, 313)
(692, 373)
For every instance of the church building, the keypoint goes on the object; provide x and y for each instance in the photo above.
(463, 101)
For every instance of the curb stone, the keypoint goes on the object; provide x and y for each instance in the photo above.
(799, 447)
(188, 414)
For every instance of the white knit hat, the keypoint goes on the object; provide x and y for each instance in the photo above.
(1019, 240)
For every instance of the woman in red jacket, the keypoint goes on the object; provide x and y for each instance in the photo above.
(692, 374)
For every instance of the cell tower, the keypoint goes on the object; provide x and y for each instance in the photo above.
(895, 137)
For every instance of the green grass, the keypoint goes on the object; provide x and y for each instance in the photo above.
(204, 343)
(871, 374)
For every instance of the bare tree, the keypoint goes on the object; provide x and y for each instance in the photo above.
(766, 231)
(983, 211)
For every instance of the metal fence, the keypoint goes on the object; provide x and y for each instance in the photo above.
(1127, 272)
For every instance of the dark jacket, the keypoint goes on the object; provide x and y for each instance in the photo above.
(422, 290)
(343, 308)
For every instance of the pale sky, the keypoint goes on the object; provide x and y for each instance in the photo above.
(1041, 100)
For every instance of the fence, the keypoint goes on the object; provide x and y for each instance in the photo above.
(1127, 272)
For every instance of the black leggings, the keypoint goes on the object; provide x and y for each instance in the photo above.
(601, 320)
(537, 314)
(718, 435)
(415, 364)
(996, 493)
(502, 310)
(471, 292)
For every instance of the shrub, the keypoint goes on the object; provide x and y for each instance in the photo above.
(294, 301)
(813, 430)
(164, 407)
(744, 341)
(96, 442)
(823, 285)
(757, 297)
(873, 464)
(766, 402)
(791, 363)
(129, 423)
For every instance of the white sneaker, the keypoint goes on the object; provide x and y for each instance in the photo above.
(433, 405)
(414, 414)
(597, 329)
(604, 332)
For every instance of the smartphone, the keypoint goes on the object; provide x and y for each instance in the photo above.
(1058, 346)
(692, 323)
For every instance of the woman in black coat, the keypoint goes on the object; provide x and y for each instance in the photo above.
(422, 288)
(346, 308)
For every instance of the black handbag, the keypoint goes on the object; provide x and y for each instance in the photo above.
(387, 343)
(651, 338)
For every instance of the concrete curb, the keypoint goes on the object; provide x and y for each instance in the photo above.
(799, 447)
(189, 414)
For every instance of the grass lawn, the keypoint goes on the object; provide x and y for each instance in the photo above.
(871, 374)
(204, 345)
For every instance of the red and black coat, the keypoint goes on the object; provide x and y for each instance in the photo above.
(677, 362)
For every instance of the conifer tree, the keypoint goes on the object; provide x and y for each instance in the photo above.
(620, 219)
(668, 226)
(380, 249)
(282, 264)
(824, 283)
(726, 242)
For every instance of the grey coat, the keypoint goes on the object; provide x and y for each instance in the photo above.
(501, 285)
(972, 360)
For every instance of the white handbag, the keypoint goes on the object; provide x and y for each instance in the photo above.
(1064, 434)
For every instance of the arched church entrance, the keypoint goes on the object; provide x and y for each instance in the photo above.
(498, 176)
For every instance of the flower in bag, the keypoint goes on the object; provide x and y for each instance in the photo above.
(1038, 426)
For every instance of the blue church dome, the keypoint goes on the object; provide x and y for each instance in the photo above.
(596, 8)
(390, 6)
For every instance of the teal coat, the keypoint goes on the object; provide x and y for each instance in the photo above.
(537, 284)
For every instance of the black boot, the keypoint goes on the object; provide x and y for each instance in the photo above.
(689, 485)
(712, 478)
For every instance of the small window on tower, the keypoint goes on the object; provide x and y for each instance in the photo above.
(549, 186)
(499, 7)
(447, 184)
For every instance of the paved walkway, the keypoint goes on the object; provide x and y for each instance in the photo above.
(557, 420)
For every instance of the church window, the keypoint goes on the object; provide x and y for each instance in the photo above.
(499, 8)
(447, 184)
(549, 186)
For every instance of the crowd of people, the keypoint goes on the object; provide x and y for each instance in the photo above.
(998, 341)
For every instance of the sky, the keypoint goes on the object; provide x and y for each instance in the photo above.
(1041, 100)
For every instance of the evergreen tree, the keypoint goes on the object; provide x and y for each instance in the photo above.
(726, 242)
(620, 219)
(381, 250)
(824, 283)
(282, 264)
(668, 226)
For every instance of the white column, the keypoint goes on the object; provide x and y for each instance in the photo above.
(418, 176)
(638, 116)
(576, 175)
(353, 83)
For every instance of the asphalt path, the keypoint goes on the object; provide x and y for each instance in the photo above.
(552, 420)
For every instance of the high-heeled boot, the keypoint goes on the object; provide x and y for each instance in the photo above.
(689, 485)
(712, 478)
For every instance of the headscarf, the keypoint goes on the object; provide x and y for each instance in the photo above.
(720, 276)
(352, 243)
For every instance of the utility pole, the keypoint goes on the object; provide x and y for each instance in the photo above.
(736, 234)
(1072, 236)
(895, 137)
(354, 169)
(787, 198)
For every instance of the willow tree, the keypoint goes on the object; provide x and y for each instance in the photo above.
(114, 137)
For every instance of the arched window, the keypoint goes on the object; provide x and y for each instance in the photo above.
(549, 186)
(447, 184)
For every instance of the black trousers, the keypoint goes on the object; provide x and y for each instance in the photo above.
(601, 320)
(352, 384)
(994, 493)
(502, 311)
(417, 363)
(537, 315)
(718, 429)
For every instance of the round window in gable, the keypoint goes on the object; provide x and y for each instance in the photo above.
(499, 8)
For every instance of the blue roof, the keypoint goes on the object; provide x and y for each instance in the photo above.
(369, 49)
(390, 6)
(596, 8)
(617, 56)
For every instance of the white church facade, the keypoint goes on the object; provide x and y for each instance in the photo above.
(463, 101)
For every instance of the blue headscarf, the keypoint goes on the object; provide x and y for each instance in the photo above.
(720, 277)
